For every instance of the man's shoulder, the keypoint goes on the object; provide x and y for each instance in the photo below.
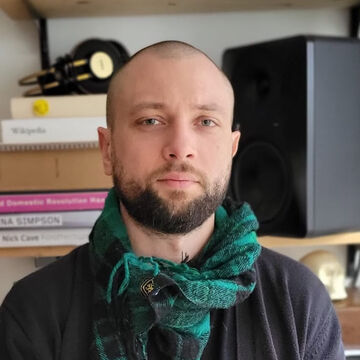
(49, 311)
(276, 266)
(281, 279)
(285, 282)
(53, 283)
(289, 294)
(61, 269)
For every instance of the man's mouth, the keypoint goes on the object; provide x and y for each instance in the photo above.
(178, 180)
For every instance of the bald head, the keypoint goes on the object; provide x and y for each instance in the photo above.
(171, 50)
(169, 142)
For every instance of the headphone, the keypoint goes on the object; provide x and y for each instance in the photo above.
(87, 70)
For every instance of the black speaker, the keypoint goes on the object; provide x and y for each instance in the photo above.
(297, 102)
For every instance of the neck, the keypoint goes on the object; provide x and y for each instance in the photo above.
(173, 247)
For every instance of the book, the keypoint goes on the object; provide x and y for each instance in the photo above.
(43, 202)
(44, 237)
(65, 219)
(49, 130)
(38, 169)
(58, 106)
(49, 146)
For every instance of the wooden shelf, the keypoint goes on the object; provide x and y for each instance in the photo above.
(38, 251)
(337, 239)
(25, 9)
(348, 312)
(267, 241)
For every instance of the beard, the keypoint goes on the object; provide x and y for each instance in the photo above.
(175, 215)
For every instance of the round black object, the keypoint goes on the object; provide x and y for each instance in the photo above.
(103, 59)
(121, 51)
(260, 177)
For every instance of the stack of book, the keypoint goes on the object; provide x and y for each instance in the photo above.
(51, 176)
(39, 219)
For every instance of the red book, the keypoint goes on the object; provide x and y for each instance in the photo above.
(43, 202)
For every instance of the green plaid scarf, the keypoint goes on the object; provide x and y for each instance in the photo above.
(146, 302)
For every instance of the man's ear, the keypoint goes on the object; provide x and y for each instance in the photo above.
(105, 148)
(235, 141)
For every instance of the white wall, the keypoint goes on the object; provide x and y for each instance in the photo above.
(19, 56)
(210, 32)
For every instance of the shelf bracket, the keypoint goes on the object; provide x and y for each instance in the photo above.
(44, 44)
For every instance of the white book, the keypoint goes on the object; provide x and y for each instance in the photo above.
(52, 130)
(44, 237)
(58, 106)
(61, 219)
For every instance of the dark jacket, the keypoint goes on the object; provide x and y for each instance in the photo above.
(289, 316)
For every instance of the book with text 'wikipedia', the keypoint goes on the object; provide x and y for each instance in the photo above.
(50, 130)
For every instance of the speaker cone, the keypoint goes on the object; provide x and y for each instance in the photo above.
(261, 178)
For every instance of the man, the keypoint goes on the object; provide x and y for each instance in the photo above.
(169, 272)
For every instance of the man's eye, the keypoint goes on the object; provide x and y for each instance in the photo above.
(207, 122)
(151, 121)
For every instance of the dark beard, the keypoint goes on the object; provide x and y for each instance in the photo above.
(152, 212)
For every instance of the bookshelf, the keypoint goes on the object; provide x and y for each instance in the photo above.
(267, 241)
(26, 9)
(39, 251)
(333, 239)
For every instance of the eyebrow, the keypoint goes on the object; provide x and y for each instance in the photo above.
(208, 107)
(147, 105)
(158, 105)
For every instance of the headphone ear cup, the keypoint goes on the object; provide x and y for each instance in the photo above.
(123, 53)
(95, 61)
(87, 70)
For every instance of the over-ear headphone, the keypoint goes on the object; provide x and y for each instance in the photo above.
(87, 70)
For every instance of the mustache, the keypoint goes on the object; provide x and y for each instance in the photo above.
(181, 167)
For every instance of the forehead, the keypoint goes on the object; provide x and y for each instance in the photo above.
(192, 77)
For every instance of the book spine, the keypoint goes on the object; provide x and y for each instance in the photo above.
(25, 203)
(58, 106)
(69, 219)
(67, 130)
(49, 146)
(18, 238)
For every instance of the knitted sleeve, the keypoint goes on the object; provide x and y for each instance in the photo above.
(324, 335)
(30, 326)
(14, 342)
(306, 314)
(318, 327)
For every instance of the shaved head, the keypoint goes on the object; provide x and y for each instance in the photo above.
(164, 50)
(169, 143)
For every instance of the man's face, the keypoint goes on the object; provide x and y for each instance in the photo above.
(171, 146)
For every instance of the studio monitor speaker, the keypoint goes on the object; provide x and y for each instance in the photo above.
(297, 101)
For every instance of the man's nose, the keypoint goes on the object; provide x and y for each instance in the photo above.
(179, 144)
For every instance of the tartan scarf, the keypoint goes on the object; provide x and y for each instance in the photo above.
(145, 302)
